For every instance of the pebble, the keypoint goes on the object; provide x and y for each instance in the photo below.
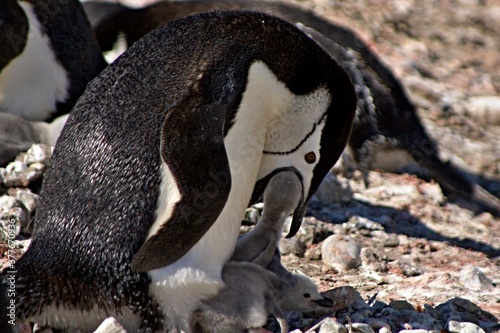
(18, 174)
(384, 330)
(38, 153)
(110, 325)
(401, 305)
(341, 252)
(408, 267)
(461, 309)
(358, 222)
(473, 278)
(485, 110)
(26, 197)
(362, 328)
(463, 327)
(7, 202)
(331, 325)
(252, 215)
(333, 190)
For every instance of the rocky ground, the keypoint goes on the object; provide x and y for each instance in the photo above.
(396, 244)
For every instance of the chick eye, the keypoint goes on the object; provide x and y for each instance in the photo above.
(306, 295)
(310, 157)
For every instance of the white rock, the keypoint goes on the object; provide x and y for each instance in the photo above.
(464, 327)
(341, 252)
(473, 278)
(484, 109)
(331, 325)
(110, 325)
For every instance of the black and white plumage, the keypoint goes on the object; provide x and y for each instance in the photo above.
(387, 132)
(48, 54)
(141, 206)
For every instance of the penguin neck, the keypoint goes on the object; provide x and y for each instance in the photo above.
(180, 287)
(33, 82)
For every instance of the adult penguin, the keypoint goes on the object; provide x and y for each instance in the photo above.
(142, 204)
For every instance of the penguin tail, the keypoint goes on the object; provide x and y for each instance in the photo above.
(455, 183)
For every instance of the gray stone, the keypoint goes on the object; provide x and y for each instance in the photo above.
(346, 297)
(7, 202)
(358, 222)
(377, 324)
(252, 215)
(409, 268)
(38, 153)
(27, 198)
(341, 253)
(19, 174)
(401, 305)
(385, 330)
(331, 325)
(463, 310)
(432, 312)
(414, 331)
(463, 327)
(360, 327)
(333, 190)
(473, 278)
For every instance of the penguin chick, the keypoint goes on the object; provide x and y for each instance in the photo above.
(301, 294)
(281, 196)
(260, 245)
(48, 54)
(248, 297)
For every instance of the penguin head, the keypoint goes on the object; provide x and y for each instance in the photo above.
(308, 143)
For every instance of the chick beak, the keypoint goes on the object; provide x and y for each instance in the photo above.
(325, 302)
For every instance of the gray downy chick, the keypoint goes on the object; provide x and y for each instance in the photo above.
(281, 197)
(260, 245)
(247, 299)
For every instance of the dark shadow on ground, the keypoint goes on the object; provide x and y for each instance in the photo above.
(395, 221)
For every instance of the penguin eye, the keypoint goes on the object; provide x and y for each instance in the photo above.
(306, 295)
(310, 157)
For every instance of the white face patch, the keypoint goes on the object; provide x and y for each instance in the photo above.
(296, 133)
(32, 83)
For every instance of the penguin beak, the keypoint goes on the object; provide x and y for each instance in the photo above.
(325, 302)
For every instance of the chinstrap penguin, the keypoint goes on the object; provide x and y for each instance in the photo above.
(387, 132)
(161, 156)
(48, 54)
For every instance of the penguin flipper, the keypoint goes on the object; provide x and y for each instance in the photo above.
(192, 146)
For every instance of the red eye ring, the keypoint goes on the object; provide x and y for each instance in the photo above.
(310, 157)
